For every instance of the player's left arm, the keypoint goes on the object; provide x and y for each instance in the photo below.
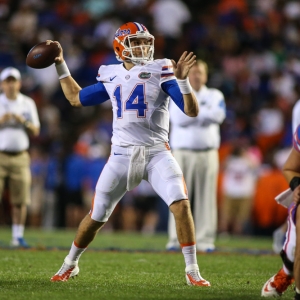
(181, 70)
(291, 171)
(291, 167)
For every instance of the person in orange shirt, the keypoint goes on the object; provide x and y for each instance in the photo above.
(269, 185)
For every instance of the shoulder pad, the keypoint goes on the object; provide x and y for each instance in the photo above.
(105, 72)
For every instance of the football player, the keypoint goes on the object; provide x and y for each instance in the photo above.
(290, 252)
(139, 89)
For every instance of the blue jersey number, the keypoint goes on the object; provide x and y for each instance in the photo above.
(135, 101)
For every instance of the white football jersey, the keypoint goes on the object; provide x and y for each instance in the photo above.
(140, 106)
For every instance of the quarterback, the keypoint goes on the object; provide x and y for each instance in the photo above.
(140, 89)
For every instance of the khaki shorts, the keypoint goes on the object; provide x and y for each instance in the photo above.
(16, 168)
(238, 209)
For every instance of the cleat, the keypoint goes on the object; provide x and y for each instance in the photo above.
(69, 269)
(174, 249)
(19, 242)
(277, 285)
(173, 246)
(193, 276)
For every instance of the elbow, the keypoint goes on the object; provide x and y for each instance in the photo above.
(74, 101)
(75, 104)
(193, 113)
(196, 111)
(36, 132)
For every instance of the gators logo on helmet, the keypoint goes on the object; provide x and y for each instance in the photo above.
(133, 43)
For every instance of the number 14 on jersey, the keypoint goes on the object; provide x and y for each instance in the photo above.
(136, 101)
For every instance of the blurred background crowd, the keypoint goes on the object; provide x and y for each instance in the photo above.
(252, 49)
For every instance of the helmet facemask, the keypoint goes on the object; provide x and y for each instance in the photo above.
(145, 51)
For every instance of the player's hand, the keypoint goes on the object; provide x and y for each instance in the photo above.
(59, 59)
(6, 117)
(296, 195)
(184, 64)
(18, 118)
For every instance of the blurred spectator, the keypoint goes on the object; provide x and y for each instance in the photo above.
(53, 179)
(139, 210)
(23, 22)
(239, 180)
(267, 214)
(98, 8)
(38, 173)
(270, 125)
(75, 173)
(168, 19)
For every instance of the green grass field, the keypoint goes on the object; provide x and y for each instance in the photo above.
(132, 266)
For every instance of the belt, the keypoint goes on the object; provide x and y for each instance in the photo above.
(12, 153)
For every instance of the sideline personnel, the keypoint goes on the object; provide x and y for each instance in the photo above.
(18, 118)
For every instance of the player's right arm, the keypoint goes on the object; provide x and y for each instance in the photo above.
(71, 90)
(90, 95)
(69, 86)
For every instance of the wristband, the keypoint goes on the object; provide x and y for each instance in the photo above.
(184, 86)
(294, 183)
(62, 70)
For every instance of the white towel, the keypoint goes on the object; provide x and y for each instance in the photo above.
(136, 167)
(285, 198)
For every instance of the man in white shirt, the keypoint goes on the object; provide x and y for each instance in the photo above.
(195, 143)
(139, 89)
(18, 119)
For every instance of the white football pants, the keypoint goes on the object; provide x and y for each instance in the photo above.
(290, 236)
(161, 171)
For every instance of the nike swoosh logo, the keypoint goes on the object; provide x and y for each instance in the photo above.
(117, 153)
(266, 289)
(112, 78)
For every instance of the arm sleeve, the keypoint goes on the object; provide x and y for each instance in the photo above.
(93, 94)
(172, 89)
